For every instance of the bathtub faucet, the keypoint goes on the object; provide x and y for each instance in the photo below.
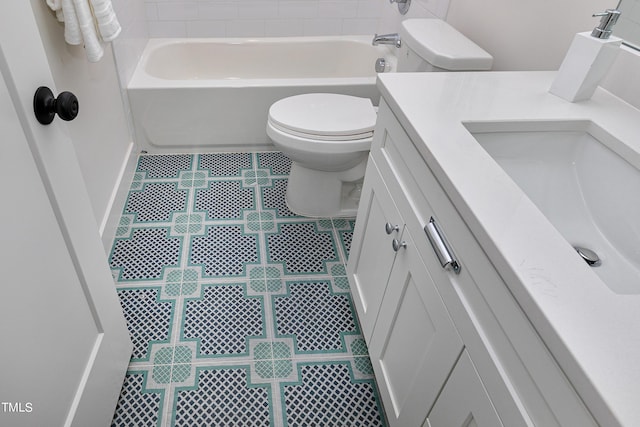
(393, 39)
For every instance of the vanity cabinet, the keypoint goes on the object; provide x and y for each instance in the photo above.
(464, 402)
(412, 340)
(372, 256)
(449, 348)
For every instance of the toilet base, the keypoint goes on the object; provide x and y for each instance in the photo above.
(321, 194)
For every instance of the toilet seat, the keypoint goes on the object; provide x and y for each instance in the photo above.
(324, 116)
(316, 137)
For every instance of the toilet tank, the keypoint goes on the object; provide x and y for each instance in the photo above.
(434, 45)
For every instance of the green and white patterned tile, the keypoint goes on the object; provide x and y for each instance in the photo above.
(256, 221)
(156, 202)
(262, 353)
(257, 295)
(223, 320)
(138, 405)
(179, 282)
(273, 199)
(361, 362)
(223, 396)
(224, 199)
(192, 180)
(256, 177)
(224, 250)
(326, 394)
(301, 247)
(277, 163)
(145, 254)
(344, 228)
(162, 360)
(163, 166)
(339, 277)
(137, 181)
(225, 164)
(125, 228)
(149, 318)
(266, 278)
(183, 224)
(316, 318)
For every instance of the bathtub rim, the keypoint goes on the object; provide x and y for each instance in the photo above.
(141, 80)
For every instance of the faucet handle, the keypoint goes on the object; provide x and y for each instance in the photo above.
(608, 19)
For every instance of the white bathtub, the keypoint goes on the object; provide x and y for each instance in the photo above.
(190, 95)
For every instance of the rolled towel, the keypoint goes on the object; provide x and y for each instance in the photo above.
(87, 22)
(108, 24)
(56, 6)
(72, 33)
(92, 44)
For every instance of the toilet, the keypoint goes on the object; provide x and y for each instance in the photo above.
(327, 136)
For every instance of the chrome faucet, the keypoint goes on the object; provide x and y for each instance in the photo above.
(608, 19)
(393, 39)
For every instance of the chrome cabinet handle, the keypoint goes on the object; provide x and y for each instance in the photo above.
(390, 228)
(441, 247)
(397, 245)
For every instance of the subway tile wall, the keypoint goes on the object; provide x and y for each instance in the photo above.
(278, 18)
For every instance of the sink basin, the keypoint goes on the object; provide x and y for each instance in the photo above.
(586, 183)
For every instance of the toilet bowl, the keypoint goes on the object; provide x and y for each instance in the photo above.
(328, 136)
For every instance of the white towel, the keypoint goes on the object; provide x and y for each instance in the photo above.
(56, 6)
(87, 22)
(108, 24)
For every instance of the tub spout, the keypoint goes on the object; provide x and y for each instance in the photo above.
(393, 39)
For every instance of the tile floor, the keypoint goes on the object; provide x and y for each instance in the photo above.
(239, 310)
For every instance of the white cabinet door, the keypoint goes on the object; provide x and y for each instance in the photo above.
(65, 345)
(464, 402)
(371, 255)
(415, 344)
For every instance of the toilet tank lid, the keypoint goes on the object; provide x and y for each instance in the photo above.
(324, 114)
(443, 46)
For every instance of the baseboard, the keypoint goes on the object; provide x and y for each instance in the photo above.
(118, 197)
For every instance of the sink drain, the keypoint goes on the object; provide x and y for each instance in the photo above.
(589, 256)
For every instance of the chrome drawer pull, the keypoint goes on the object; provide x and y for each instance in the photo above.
(440, 246)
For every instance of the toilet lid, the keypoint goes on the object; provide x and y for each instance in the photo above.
(325, 115)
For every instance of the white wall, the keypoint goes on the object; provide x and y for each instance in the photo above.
(628, 26)
(525, 34)
(390, 20)
(621, 80)
(100, 133)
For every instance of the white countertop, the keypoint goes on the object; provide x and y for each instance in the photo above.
(593, 332)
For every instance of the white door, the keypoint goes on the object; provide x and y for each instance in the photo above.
(65, 346)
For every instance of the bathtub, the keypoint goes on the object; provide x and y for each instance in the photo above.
(198, 95)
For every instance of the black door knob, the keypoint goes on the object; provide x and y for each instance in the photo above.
(45, 105)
